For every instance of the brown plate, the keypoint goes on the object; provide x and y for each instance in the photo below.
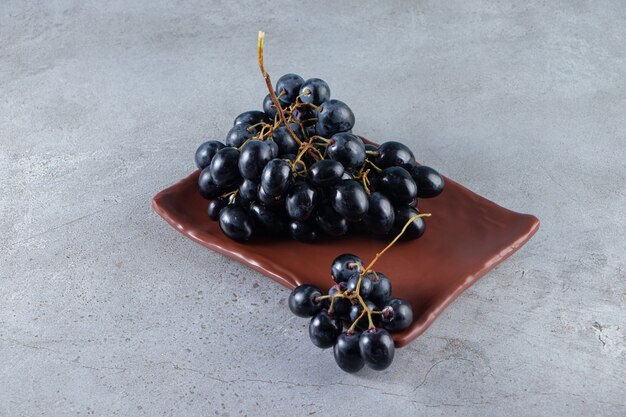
(466, 237)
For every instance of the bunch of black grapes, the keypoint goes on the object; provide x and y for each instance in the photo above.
(356, 317)
(303, 172)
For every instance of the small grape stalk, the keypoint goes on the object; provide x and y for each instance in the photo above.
(358, 313)
(295, 168)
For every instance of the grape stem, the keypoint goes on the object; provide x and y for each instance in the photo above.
(231, 199)
(268, 82)
(381, 253)
(374, 165)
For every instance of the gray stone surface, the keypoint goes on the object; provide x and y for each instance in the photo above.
(105, 310)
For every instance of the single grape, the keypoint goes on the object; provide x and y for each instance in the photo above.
(429, 182)
(215, 207)
(350, 200)
(288, 87)
(272, 222)
(366, 284)
(253, 157)
(325, 172)
(252, 117)
(345, 267)
(393, 153)
(248, 190)
(314, 91)
(341, 306)
(238, 134)
(397, 315)
(415, 229)
(206, 152)
(207, 187)
(381, 288)
(276, 177)
(347, 352)
(380, 214)
(303, 300)
(324, 329)
(335, 117)
(347, 149)
(396, 183)
(286, 143)
(224, 169)
(303, 231)
(330, 221)
(300, 200)
(236, 223)
(363, 323)
(377, 348)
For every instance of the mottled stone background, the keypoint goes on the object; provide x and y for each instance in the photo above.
(105, 310)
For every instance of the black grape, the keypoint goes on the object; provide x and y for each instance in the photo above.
(206, 152)
(347, 352)
(300, 200)
(207, 187)
(335, 117)
(397, 315)
(415, 229)
(429, 182)
(345, 267)
(314, 91)
(325, 172)
(215, 207)
(324, 329)
(381, 288)
(224, 169)
(238, 134)
(347, 149)
(380, 214)
(252, 117)
(391, 154)
(377, 348)
(397, 184)
(288, 87)
(236, 223)
(303, 300)
(350, 200)
(276, 177)
(253, 157)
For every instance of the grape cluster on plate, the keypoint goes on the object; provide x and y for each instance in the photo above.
(300, 171)
(295, 168)
(356, 317)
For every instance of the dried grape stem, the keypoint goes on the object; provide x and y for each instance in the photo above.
(270, 88)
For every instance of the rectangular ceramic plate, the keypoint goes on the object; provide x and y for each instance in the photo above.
(466, 237)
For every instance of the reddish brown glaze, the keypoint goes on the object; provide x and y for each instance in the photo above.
(466, 237)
